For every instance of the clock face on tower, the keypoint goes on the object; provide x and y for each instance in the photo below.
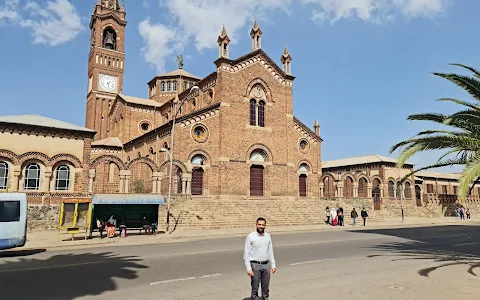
(107, 83)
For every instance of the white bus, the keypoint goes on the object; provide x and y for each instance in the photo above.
(13, 220)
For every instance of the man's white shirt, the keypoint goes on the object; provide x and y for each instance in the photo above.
(258, 248)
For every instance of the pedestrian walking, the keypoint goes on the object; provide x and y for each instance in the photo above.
(259, 259)
(354, 216)
(364, 215)
(468, 213)
(328, 215)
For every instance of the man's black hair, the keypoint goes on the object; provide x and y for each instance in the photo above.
(262, 219)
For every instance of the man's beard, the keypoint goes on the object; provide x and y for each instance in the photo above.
(260, 230)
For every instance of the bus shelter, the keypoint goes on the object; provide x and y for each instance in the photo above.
(132, 207)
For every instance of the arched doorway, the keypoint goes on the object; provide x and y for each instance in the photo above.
(257, 171)
(197, 174)
(376, 194)
(302, 180)
(418, 195)
(179, 181)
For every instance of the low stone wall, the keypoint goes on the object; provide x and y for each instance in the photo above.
(40, 218)
(446, 205)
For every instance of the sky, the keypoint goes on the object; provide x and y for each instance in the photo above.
(361, 66)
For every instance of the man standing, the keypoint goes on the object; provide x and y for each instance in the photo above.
(259, 259)
(364, 215)
(354, 216)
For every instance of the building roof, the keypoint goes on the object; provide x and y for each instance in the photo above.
(179, 72)
(140, 101)
(359, 161)
(38, 120)
(439, 175)
(110, 142)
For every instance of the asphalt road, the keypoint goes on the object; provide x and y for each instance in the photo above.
(410, 263)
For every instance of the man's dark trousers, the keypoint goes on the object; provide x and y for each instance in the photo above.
(261, 273)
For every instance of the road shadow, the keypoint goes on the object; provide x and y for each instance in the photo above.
(430, 244)
(65, 276)
(18, 253)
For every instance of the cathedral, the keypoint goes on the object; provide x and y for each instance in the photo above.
(229, 139)
(234, 132)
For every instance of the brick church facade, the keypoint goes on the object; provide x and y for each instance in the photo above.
(235, 133)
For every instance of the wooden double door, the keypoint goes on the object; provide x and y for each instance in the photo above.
(256, 180)
(197, 181)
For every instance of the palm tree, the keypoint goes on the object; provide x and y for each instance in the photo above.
(461, 139)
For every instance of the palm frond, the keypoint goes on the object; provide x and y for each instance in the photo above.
(461, 102)
(439, 164)
(470, 173)
(474, 71)
(469, 84)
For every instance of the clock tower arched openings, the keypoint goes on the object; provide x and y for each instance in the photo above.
(106, 63)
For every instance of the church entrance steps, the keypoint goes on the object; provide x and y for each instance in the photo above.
(202, 212)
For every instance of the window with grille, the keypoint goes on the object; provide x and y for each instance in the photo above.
(62, 178)
(3, 175)
(253, 113)
(261, 114)
(32, 177)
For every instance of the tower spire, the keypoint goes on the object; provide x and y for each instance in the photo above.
(256, 34)
(286, 60)
(223, 43)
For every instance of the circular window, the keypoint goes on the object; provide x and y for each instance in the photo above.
(144, 126)
(200, 133)
(304, 145)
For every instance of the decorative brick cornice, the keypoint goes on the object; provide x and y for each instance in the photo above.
(48, 161)
(45, 131)
(305, 131)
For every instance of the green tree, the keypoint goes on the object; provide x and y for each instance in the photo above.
(460, 141)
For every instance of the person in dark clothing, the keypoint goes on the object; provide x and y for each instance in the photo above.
(328, 215)
(364, 215)
(354, 216)
(340, 216)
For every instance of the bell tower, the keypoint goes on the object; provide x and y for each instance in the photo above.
(106, 63)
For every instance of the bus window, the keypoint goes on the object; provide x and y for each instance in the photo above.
(9, 211)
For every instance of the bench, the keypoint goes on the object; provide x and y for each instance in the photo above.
(131, 225)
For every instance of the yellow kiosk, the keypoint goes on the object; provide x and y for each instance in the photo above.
(75, 216)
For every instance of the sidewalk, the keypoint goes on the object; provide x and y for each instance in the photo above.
(48, 239)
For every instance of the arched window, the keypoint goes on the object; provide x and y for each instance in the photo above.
(109, 39)
(258, 156)
(253, 112)
(261, 113)
(174, 85)
(169, 85)
(391, 189)
(398, 190)
(198, 160)
(3, 175)
(32, 177)
(162, 88)
(303, 167)
(408, 191)
(62, 178)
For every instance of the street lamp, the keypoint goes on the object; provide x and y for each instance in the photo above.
(401, 193)
(170, 153)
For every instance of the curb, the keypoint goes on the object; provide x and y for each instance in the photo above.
(169, 239)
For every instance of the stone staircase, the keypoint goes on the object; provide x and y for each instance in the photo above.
(426, 212)
(208, 213)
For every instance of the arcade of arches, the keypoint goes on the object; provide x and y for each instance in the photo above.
(361, 185)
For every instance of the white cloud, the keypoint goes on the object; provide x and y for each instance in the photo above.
(374, 11)
(9, 10)
(201, 21)
(56, 23)
(159, 43)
